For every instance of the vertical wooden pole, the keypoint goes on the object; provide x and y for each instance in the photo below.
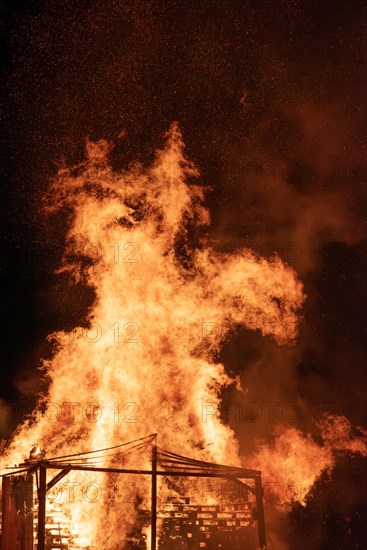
(154, 495)
(28, 520)
(260, 512)
(42, 508)
(8, 531)
(17, 513)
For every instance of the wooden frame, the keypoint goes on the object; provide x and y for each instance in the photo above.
(171, 465)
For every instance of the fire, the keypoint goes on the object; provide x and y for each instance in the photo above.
(146, 361)
(291, 465)
(295, 461)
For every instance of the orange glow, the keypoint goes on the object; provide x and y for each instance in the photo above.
(146, 364)
(294, 462)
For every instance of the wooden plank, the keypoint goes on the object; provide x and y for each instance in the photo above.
(28, 519)
(260, 513)
(42, 489)
(154, 497)
(9, 517)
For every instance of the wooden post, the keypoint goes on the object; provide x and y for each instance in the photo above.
(260, 512)
(42, 490)
(28, 520)
(154, 495)
(17, 513)
(8, 528)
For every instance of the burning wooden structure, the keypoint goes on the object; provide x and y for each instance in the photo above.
(26, 524)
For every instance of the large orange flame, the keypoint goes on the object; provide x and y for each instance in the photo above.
(146, 363)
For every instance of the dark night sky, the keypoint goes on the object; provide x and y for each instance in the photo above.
(270, 97)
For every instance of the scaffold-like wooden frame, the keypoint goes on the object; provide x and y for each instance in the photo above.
(163, 463)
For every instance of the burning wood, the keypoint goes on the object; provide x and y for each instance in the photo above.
(144, 342)
(53, 528)
(145, 345)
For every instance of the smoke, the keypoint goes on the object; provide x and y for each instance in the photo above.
(271, 102)
(296, 188)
